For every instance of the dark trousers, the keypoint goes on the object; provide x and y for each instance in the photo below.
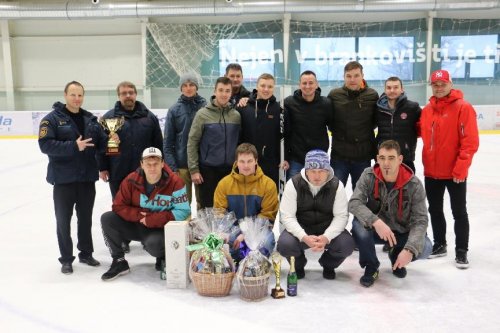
(80, 196)
(410, 164)
(271, 169)
(115, 230)
(335, 252)
(211, 177)
(342, 169)
(114, 186)
(366, 238)
(435, 196)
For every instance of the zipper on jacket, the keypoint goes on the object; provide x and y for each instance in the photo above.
(432, 136)
(462, 129)
(263, 150)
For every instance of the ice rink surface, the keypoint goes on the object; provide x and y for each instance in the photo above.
(434, 297)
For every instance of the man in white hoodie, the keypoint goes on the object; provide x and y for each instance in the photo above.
(313, 210)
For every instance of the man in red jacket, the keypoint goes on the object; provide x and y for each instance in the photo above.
(449, 132)
(148, 198)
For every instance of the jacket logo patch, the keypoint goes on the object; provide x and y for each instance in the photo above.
(44, 122)
(404, 115)
(43, 132)
(62, 122)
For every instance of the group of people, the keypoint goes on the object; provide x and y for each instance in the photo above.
(229, 149)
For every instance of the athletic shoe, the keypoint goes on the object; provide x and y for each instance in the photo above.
(89, 261)
(118, 267)
(67, 268)
(461, 259)
(329, 273)
(438, 250)
(368, 279)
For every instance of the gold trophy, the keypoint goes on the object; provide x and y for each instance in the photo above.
(111, 126)
(277, 292)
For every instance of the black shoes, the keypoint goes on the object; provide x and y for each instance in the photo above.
(368, 279)
(461, 259)
(67, 268)
(118, 267)
(329, 273)
(159, 264)
(393, 256)
(438, 250)
(90, 261)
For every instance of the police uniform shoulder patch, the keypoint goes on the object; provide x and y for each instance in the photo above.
(43, 132)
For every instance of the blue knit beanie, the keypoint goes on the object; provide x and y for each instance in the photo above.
(317, 159)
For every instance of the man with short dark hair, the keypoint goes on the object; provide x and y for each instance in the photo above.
(307, 115)
(397, 119)
(448, 127)
(353, 141)
(388, 205)
(313, 210)
(212, 141)
(148, 198)
(248, 192)
(238, 91)
(71, 137)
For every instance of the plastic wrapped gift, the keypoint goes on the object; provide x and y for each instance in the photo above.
(254, 270)
(211, 266)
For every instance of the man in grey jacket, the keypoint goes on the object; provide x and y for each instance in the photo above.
(389, 205)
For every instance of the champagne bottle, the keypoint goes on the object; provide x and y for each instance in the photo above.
(291, 279)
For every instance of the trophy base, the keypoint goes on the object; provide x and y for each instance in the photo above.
(112, 151)
(277, 293)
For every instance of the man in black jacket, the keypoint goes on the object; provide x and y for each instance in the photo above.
(140, 131)
(397, 119)
(307, 115)
(235, 73)
(353, 122)
(71, 136)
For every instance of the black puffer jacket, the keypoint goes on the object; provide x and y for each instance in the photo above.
(306, 125)
(140, 131)
(399, 124)
(353, 123)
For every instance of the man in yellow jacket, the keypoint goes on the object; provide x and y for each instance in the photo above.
(248, 192)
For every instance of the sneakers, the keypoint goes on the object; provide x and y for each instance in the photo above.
(329, 273)
(90, 261)
(368, 279)
(393, 256)
(67, 268)
(461, 259)
(438, 250)
(386, 247)
(158, 264)
(118, 267)
(301, 273)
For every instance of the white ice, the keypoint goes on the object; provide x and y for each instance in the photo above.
(434, 297)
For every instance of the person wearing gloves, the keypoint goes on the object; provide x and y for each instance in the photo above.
(148, 198)
(313, 211)
(247, 192)
(179, 119)
(388, 205)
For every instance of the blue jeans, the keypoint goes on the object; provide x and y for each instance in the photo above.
(342, 169)
(367, 238)
(294, 169)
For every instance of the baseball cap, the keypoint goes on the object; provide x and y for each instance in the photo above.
(440, 75)
(152, 152)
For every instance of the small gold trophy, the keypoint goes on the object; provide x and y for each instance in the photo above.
(111, 126)
(277, 292)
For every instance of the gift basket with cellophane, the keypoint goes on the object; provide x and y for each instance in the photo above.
(254, 270)
(211, 267)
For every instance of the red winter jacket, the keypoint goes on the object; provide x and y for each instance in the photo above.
(168, 201)
(449, 131)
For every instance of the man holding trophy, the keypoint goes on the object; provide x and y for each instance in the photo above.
(132, 128)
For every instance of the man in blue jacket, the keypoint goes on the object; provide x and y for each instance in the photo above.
(179, 119)
(71, 136)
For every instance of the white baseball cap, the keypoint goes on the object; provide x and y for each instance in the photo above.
(152, 152)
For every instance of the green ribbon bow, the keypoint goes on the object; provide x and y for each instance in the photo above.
(213, 243)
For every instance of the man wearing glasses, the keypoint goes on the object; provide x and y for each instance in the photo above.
(140, 131)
